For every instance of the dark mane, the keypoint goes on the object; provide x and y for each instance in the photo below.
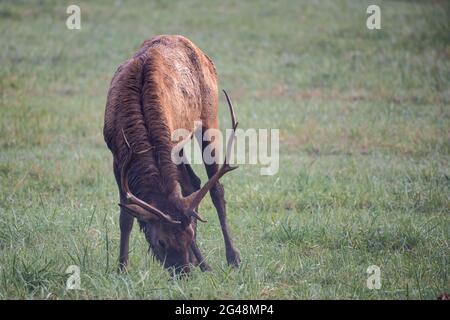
(134, 107)
(162, 85)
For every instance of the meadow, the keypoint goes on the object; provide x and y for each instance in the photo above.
(364, 173)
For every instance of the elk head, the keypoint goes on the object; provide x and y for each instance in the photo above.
(169, 224)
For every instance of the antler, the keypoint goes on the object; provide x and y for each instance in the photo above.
(134, 205)
(191, 202)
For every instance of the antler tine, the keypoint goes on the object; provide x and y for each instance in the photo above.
(233, 115)
(197, 216)
(198, 196)
(134, 203)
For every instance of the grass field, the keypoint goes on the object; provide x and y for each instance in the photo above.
(364, 119)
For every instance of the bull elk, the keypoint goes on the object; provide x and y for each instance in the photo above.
(168, 84)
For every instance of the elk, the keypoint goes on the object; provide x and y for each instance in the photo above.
(168, 84)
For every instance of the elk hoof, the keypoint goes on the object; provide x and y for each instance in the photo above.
(205, 267)
(234, 258)
(123, 268)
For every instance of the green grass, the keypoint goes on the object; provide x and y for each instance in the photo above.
(364, 119)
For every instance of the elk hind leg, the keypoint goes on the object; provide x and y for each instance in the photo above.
(196, 184)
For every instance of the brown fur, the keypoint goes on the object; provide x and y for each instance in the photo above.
(167, 85)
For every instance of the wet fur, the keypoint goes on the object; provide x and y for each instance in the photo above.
(168, 84)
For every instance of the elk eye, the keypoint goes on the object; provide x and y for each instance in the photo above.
(162, 244)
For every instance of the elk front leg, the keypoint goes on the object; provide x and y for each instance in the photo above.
(195, 182)
(218, 198)
(126, 224)
(198, 256)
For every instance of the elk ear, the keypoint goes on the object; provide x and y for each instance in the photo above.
(138, 212)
